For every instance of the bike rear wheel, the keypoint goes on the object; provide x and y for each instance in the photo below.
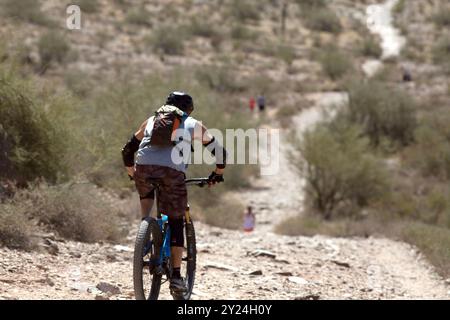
(148, 243)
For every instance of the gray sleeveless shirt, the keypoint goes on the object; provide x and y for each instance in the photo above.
(176, 157)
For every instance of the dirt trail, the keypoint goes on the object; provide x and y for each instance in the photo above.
(235, 265)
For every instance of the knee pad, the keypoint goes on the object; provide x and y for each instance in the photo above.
(176, 232)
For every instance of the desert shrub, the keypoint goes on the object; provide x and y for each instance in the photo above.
(371, 48)
(78, 82)
(281, 51)
(341, 173)
(87, 6)
(286, 53)
(382, 112)
(241, 32)
(168, 40)
(202, 28)
(25, 10)
(218, 210)
(311, 3)
(15, 229)
(399, 7)
(432, 241)
(415, 198)
(335, 63)
(441, 52)
(442, 17)
(74, 211)
(53, 47)
(244, 11)
(219, 78)
(139, 16)
(322, 19)
(32, 145)
(431, 152)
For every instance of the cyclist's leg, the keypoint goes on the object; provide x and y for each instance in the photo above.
(145, 190)
(176, 242)
(173, 199)
(146, 206)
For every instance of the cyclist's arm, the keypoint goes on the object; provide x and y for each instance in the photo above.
(131, 147)
(218, 151)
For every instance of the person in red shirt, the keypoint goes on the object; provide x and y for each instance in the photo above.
(252, 103)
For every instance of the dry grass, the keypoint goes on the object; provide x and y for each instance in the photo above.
(217, 210)
(74, 211)
(15, 228)
(335, 63)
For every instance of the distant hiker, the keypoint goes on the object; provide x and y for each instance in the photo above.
(249, 220)
(407, 77)
(251, 104)
(261, 103)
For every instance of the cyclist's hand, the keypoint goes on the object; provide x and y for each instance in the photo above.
(215, 178)
(130, 171)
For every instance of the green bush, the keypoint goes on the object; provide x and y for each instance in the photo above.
(244, 11)
(219, 78)
(15, 228)
(322, 19)
(371, 48)
(87, 6)
(168, 39)
(335, 63)
(25, 10)
(382, 112)
(216, 209)
(399, 7)
(431, 152)
(286, 53)
(139, 16)
(311, 3)
(53, 47)
(241, 32)
(341, 173)
(442, 17)
(432, 241)
(202, 28)
(441, 52)
(74, 211)
(32, 145)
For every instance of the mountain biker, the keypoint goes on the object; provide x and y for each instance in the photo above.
(159, 163)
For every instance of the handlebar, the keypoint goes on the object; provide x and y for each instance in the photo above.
(197, 182)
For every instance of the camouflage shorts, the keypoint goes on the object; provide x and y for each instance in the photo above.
(173, 193)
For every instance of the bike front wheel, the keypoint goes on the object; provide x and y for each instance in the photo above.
(147, 283)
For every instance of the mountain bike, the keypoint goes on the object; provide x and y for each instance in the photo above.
(151, 265)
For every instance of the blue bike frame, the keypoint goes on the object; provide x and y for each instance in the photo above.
(165, 250)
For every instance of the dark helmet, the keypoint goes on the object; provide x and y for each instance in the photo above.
(181, 100)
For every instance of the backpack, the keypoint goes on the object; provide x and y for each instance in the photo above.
(167, 120)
